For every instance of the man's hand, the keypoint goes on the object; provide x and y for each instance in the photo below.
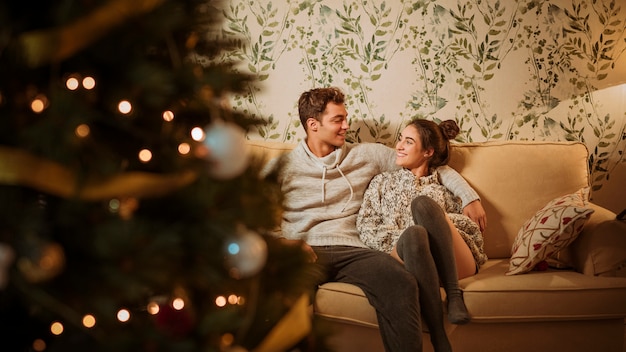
(476, 212)
(308, 250)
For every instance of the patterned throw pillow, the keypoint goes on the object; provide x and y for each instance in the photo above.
(551, 229)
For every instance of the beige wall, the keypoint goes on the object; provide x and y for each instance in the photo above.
(524, 70)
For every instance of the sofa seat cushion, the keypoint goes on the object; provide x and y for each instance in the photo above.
(491, 296)
(541, 295)
(346, 303)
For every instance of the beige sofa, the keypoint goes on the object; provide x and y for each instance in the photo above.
(579, 309)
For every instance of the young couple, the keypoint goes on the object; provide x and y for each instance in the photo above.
(376, 217)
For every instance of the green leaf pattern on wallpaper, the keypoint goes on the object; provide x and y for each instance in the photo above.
(503, 69)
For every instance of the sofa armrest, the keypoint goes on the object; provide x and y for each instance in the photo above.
(600, 249)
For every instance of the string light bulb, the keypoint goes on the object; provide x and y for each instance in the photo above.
(168, 116)
(227, 339)
(56, 328)
(197, 134)
(145, 155)
(114, 205)
(233, 299)
(178, 303)
(123, 315)
(153, 308)
(39, 103)
(125, 107)
(82, 130)
(89, 83)
(184, 148)
(89, 321)
(220, 301)
(72, 83)
(39, 345)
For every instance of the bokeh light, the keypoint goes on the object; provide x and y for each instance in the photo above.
(233, 299)
(39, 103)
(220, 301)
(123, 315)
(178, 303)
(89, 83)
(56, 328)
(89, 321)
(114, 205)
(197, 134)
(153, 308)
(168, 115)
(233, 248)
(125, 107)
(228, 339)
(39, 345)
(145, 155)
(82, 130)
(72, 83)
(184, 148)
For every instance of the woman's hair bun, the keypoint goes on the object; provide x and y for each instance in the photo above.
(449, 128)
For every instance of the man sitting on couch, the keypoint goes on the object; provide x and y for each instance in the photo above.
(323, 180)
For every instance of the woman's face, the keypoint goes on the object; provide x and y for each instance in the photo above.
(409, 152)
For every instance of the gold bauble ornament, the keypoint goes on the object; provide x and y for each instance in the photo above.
(48, 262)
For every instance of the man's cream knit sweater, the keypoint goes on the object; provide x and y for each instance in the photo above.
(322, 196)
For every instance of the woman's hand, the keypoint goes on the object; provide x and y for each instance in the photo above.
(476, 212)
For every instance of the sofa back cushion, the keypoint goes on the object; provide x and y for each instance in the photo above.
(517, 178)
(264, 151)
(514, 179)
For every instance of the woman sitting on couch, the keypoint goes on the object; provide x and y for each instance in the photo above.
(403, 214)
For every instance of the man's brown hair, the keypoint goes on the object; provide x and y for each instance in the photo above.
(312, 103)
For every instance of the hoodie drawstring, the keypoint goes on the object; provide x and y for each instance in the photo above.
(347, 181)
(323, 188)
(349, 185)
(332, 162)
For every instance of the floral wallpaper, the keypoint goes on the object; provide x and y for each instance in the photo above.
(503, 69)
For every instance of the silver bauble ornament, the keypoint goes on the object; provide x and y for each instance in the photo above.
(246, 253)
(227, 149)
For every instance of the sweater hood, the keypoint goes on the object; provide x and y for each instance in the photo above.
(329, 162)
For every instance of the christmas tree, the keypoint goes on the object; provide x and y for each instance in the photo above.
(131, 216)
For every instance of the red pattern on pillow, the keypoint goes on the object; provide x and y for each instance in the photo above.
(551, 229)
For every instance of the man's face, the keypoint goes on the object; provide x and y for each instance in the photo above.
(333, 125)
